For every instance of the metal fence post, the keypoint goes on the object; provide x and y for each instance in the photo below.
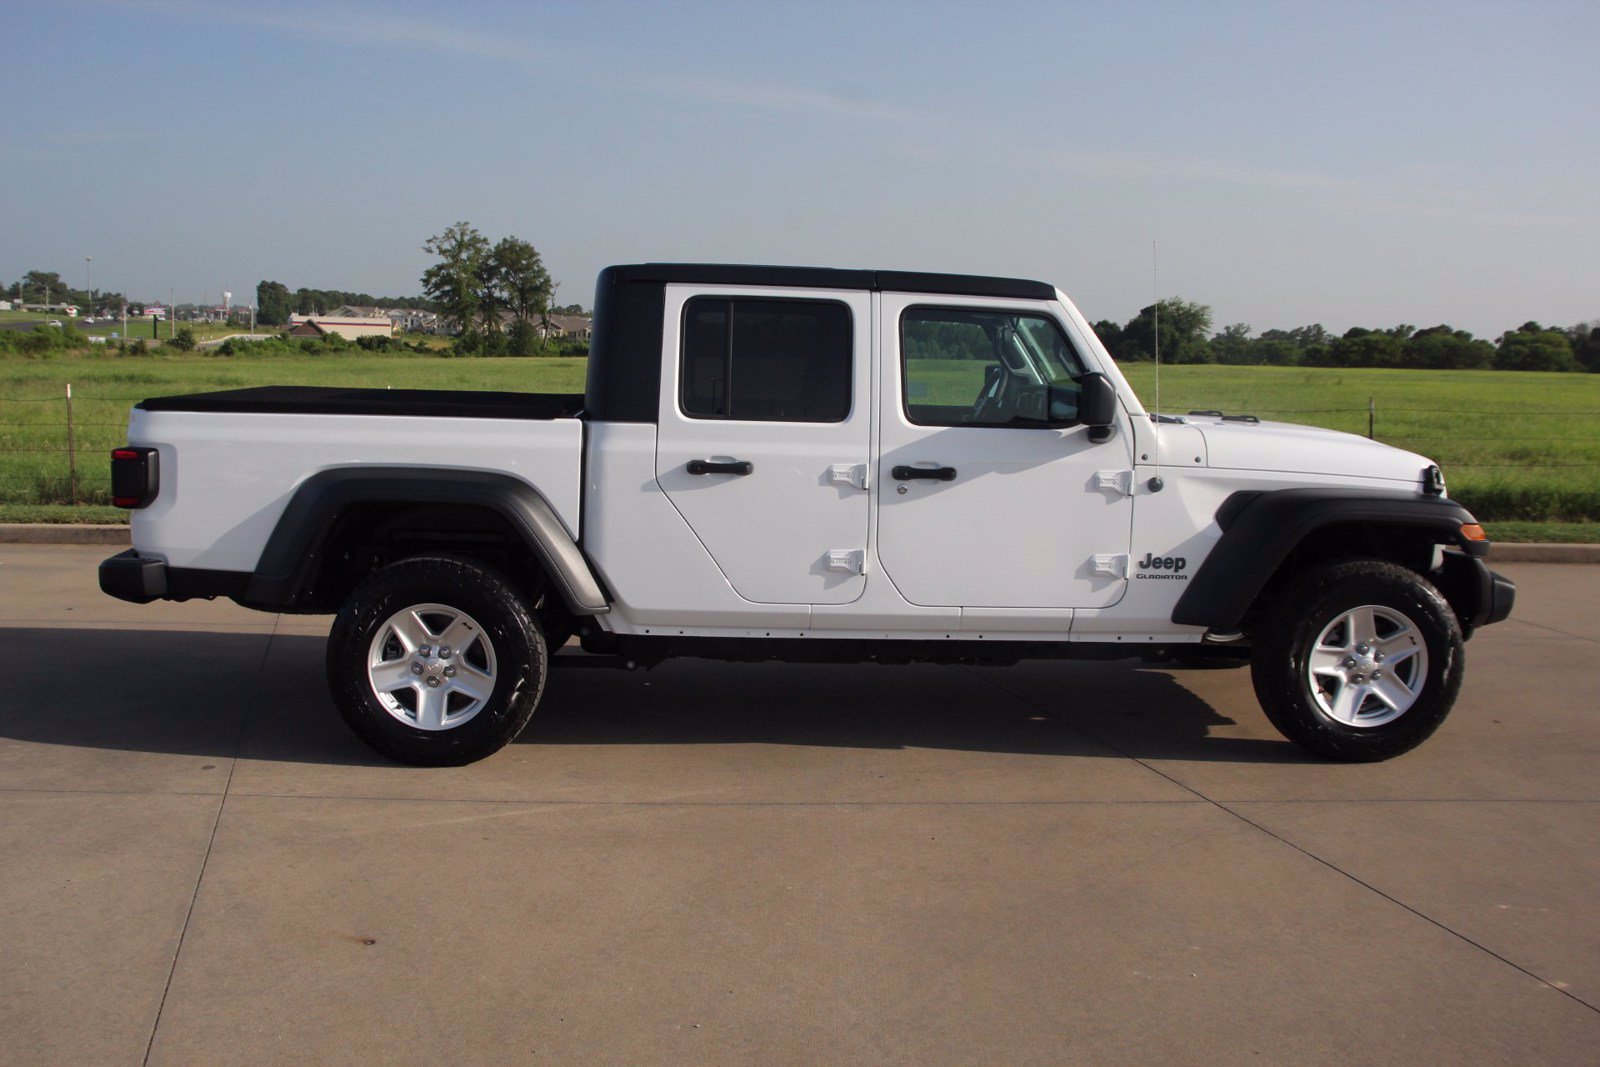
(1372, 416)
(72, 449)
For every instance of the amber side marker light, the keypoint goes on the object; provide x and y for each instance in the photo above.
(1473, 532)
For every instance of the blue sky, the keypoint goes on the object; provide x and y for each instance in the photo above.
(1353, 164)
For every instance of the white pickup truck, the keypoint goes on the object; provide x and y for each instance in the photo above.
(814, 465)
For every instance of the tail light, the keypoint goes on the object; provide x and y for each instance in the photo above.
(135, 476)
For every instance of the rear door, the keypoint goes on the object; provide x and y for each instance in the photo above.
(764, 435)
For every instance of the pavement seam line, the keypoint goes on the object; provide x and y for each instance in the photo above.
(1329, 864)
(216, 822)
(1554, 630)
(546, 803)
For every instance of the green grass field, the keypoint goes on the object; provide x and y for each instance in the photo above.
(1516, 448)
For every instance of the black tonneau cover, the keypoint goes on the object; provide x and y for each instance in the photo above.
(408, 403)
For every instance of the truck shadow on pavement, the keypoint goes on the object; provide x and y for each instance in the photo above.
(220, 694)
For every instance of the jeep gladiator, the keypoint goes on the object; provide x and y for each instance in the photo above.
(808, 464)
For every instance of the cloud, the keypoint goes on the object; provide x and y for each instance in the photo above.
(363, 27)
(1402, 198)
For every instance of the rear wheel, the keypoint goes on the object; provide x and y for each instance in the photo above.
(1360, 660)
(436, 661)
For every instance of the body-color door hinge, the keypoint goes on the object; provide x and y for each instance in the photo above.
(1115, 566)
(848, 474)
(847, 560)
(1119, 482)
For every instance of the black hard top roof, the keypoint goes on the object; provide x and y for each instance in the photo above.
(898, 281)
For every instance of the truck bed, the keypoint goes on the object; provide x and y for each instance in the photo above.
(231, 461)
(406, 403)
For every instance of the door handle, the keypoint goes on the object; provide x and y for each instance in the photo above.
(733, 466)
(938, 474)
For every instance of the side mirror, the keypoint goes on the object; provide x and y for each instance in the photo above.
(1097, 407)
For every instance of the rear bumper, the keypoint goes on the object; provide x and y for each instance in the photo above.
(141, 579)
(129, 576)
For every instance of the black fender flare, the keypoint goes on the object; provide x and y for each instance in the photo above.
(294, 552)
(1261, 529)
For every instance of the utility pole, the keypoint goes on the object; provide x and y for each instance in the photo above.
(172, 314)
(88, 294)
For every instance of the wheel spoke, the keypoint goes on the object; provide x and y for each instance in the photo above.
(1348, 701)
(459, 635)
(1363, 627)
(1397, 648)
(430, 708)
(1394, 692)
(470, 681)
(410, 629)
(1328, 660)
(388, 677)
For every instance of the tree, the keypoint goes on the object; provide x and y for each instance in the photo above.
(272, 303)
(1359, 347)
(1184, 326)
(1110, 335)
(313, 302)
(1585, 338)
(1441, 348)
(43, 286)
(1532, 347)
(517, 281)
(1233, 345)
(456, 282)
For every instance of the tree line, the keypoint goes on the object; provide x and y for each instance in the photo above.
(275, 302)
(47, 287)
(1186, 337)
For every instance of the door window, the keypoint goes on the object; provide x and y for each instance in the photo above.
(968, 367)
(766, 360)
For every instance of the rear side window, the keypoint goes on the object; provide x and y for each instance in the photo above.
(766, 360)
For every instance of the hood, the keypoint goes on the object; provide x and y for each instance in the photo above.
(1295, 449)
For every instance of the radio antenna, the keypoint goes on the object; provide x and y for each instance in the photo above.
(1155, 321)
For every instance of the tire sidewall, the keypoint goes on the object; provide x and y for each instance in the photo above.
(1283, 682)
(520, 654)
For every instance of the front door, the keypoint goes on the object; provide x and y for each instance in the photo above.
(991, 495)
(764, 436)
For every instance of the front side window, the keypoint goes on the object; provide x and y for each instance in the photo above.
(766, 360)
(968, 367)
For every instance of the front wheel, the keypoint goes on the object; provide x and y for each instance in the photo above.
(436, 661)
(1360, 660)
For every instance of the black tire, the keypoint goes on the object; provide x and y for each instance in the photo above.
(516, 656)
(1288, 632)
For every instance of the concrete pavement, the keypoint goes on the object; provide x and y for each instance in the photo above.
(1056, 862)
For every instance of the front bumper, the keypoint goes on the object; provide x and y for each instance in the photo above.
(1478, 594)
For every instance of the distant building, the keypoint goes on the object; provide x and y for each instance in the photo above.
(579, 326)
(348, 327)
(571, 326)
